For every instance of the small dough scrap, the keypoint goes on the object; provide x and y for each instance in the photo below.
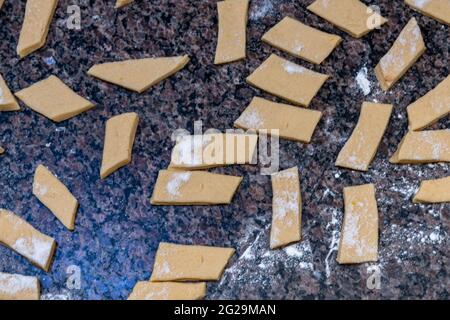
(1, 3)
(436, 9)
(175, 262)
(119, 139)
(287, 80)
(121, 3)
(7, 100)
(2, 151)
(37, 20)
(293, 123)
(146, 290)
(301, 41)
(19, 287)
(21, 237)
(359, 236)
(139, 74)
(361, 148)
(351, 16)
(55, 196)
(433, 191)
(432, 107)
(231, 42)
(406, 50)
(286, 208)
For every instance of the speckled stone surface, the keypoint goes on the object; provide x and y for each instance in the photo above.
(117, 230)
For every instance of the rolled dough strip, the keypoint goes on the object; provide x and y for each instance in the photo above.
(121, 3)
(232, 30)
(174, 262)
(139, 74)
(18, 287)
(7, 100)
(351, 16)
(359, 236)
(119, 139)
(287, 80)
(21, 237)
(145, 290)
(407, 49)
(436, 9)
(431, 107)
(193, 188)
(433, 191)
(361, 148)
(301, 41)
(55, 196)
(38, 16)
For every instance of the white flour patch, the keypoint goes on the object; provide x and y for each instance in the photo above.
(420, 3)
(363, 82)
(33, 248)
(176, 182)
(251, 120)
(334, 226)
(2, 100)
(39, 189)
(261, 9)
(14, 283)
(292, 68)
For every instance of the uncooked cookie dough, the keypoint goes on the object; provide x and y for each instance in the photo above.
(7, 100)
(436, 9)
(20, 236)
(18, 287)
(359, 236)
(2, 151)
(38, 16)
(431, 107)
(121, 3)
(293, 123)
(351, 16)
(1, 3)
(434, 191)
(175, 187)
(406, 50)
(146, 290)
(55, 196)
(139, 74)
(174, 262)
(119, 139)
(53, 99)
(287, 80)
(232, 30)
(301, 41)
(361, 148)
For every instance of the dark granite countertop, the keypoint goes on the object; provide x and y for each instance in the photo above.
(118, 230)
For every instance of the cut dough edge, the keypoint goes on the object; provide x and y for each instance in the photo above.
(147, 290)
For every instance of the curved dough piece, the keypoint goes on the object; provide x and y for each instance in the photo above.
(139, 74)
(433, 191)
(7, 100)
(19, 287)
(145, 290)
(121, 3)
(436, 9)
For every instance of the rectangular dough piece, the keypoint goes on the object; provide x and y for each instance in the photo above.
(146, 290)
(405, 51)
(287, 80)
(361, 148)
(351, 16)
(436, 9)
(21, 237)
(175, 187)
(174, 262)
(433, 191)
(7, 100)
(301, 41)
(19, 287)
(359, 235)
(231, 42)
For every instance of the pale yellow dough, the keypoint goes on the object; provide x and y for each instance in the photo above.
(121, 3)
(19, 287)
(434, 191)
(7, 100)
(2, 151)
(146, 290)
(1, 3)
(436, 9)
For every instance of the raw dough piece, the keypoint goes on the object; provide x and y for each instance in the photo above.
(437, 9)
(359, 236)
(119, 139)
(431, 107)
(174, 262)
(121, 3)
(351, 16)
(20, 236)
(406, 50)
(361, 148)
(301, 41)
(1, 3)
(18, 287)
(212, 150)
(2, 151)
(139, 74)
(433, 191)
(293, 123)
(287, 80)
(145, 290)
(286, 208)
(55, 196)
(7, 100)
(53, 99)
(232, 30)
(175, 187)
(38, 16)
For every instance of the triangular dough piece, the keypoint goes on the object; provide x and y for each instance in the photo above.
(436, 9)
(19, 287)
(7, 100)
(121, 3)
(139, 74)
(146, 290)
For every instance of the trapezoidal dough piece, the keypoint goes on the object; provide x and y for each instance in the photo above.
(433, 191)
(122, 3)
(436, 9)
(119, 139)
(359, 236)
(37, 20)
(361, 148)
(139, 74)
(301, 41)
(20, 236)
(174, 262)
(146, 290)
(55, 196)
(7, 100)
(19, 287)
(287, 80)
(406, 50)
(231, 42)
